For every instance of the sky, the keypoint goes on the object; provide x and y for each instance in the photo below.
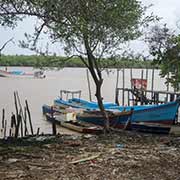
(167, 9)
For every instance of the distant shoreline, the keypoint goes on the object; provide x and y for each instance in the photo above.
(55, 61)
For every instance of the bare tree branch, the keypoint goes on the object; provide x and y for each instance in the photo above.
(5, 44)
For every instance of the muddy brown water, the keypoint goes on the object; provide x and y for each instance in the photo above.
(44, 91)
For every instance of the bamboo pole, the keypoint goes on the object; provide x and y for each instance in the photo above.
(89, 86)
(29, 115)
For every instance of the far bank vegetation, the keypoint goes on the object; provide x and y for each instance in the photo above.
(55, 61)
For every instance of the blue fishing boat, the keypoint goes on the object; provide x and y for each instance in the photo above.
(116, 119)
(21, 74)
(162, 114)
(81, 103)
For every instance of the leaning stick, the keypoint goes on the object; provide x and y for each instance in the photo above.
(29, 115)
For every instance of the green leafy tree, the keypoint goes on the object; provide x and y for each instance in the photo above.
(92, 28)
(164, 46)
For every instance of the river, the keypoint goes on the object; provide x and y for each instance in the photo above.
(44, 91)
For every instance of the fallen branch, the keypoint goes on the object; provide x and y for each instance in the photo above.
(85, 159)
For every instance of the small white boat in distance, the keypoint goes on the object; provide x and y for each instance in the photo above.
(17, 74)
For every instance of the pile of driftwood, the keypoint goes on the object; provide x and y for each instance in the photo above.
(20, 122)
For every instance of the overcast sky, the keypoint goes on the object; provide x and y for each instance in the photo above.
(167, 9)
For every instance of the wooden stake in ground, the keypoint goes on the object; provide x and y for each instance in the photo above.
(2, 125)
(18, 125)
(13, 125)
(53, 122)
(29, 115)
(89, 87)
(15, 102)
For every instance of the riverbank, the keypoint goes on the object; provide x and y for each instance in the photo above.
(120, 155)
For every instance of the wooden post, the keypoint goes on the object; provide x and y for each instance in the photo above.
(167, 88)
(29, 115)
(21, 123)
(38, 130)
(171, 97)
(25, 122)
(117, 92)
(146, 80)
(142, 75)
(3, 117)
(5, 128)
(54, 132)
(152, 85)
(123, 81)
(18, 125)
(13, 125)
(131, 76)
(15, 102)
(89, 86)
(128, 98)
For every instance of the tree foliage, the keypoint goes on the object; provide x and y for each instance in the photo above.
(89, 29)
(164, 46)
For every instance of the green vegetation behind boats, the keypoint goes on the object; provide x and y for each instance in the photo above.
(55, 61)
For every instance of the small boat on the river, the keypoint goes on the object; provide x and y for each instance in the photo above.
(73, 124)
(21, 74)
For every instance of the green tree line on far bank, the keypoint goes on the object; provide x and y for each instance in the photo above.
(54, 61)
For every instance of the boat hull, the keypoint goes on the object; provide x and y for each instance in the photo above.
(21, 74)
(118, 120)
(151, 128)
(161, 114)
(74, 125)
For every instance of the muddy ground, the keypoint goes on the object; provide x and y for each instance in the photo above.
(120, 155)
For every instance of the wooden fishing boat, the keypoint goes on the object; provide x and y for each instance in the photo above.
(21, 74)
(74, 125)
(116, 119)
(161, 114)
(80, 103)
(58, 109)
(151, 127)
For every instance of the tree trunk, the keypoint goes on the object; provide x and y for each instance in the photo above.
(95, 71)
(101, 106)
